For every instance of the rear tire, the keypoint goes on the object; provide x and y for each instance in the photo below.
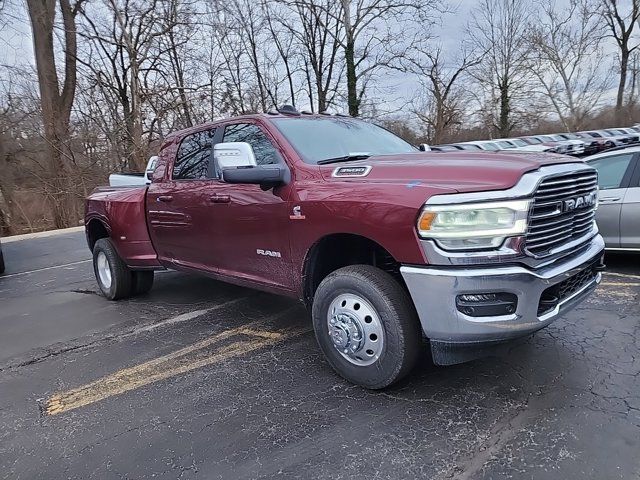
(142, 282)
(366, 326)
(114, 278)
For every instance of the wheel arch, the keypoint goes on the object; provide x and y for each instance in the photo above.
(95, 230)
(337, 250)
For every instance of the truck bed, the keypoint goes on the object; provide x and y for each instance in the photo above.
(123, 210)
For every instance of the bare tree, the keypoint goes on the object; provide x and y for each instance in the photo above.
(440, 102)
(56, 98)
(566, 59)
(622, 26)
(369, 31)
(124, 41)
(499, 28)
(314, 28)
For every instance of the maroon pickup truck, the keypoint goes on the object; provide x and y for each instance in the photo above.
(386, 244)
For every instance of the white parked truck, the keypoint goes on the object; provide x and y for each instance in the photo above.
(129, 179)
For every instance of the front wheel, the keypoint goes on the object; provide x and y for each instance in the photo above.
(366, 326)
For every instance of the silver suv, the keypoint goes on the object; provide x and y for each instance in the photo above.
(618, 215)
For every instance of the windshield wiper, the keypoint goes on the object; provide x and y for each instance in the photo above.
(344, 158)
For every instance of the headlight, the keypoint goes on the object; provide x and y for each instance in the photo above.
(473, 226)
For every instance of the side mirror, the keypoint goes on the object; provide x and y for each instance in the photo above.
(265, 175)
(237, 164)
(233, 155)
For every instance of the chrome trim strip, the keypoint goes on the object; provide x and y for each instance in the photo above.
(510, 251)
(525, 187)
(556, 311)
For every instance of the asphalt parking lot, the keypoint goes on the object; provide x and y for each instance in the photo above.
(204, 380)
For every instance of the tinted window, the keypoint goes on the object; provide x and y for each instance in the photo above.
(192, 160)
(611, 170)
(263, 149)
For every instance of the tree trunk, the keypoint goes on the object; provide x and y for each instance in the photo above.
(504, 126)
(350, 63)
(624, 65)
(139, 162)
(352, 85)
(54, 103)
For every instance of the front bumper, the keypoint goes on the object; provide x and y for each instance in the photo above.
(434, 291)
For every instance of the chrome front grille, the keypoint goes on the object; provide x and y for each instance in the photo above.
(563, 210)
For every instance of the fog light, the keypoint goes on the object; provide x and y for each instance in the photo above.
(487, 304)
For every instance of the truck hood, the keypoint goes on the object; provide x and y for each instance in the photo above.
(455, 171)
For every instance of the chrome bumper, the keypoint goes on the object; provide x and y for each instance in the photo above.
(434, 291)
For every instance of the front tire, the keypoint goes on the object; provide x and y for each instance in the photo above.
(366, 326)
(114, 278)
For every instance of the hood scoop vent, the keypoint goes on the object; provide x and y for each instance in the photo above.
(351, 171)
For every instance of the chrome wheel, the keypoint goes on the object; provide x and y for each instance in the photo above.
(355, 329)
(104, 270)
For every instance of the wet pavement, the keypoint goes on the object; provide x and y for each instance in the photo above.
(200, 379)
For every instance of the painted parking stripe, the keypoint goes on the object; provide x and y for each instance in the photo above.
(229, 344)
(623, 275)
(620, 284)
(45, 268)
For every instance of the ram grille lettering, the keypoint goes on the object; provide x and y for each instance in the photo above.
(579, 202)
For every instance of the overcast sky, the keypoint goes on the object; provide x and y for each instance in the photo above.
(16, 47)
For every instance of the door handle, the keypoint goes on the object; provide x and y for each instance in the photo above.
(220, 199)
(610, 200)
(164, 198)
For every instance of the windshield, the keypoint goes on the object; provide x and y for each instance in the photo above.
(604, 133)
(533, 140)
(518, 142)
(504, 144)
(318, 139)
(468, 146)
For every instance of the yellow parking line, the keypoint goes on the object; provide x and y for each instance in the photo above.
(623, 275)
(175, 363)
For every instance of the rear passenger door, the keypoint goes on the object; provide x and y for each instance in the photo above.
(630, 214)
(251, 228)
(614, 173)
(179, 208)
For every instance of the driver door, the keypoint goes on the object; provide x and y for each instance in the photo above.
(251, 230)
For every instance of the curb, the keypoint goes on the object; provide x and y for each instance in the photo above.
(48, 233)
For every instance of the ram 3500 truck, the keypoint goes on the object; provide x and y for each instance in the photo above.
(386, 244)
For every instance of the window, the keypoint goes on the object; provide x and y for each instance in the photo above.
(318, 138)
(194, 154)
(491, 146)
(263, 149)
(611, 170)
